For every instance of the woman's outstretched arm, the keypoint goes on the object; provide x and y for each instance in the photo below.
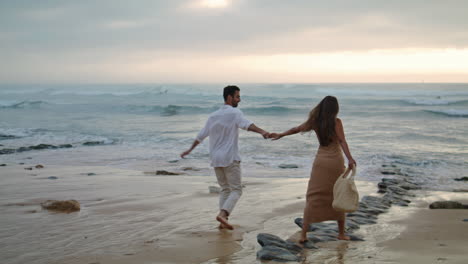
(291, 131)
(339, 130)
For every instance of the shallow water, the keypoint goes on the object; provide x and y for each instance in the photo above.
(424, 127)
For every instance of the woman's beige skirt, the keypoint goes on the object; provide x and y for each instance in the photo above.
(328, 166)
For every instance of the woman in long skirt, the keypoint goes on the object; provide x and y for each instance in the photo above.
(328, 164)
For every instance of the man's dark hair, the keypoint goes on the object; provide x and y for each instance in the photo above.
(230, 90)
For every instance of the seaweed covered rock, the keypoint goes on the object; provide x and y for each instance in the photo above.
(66, 206)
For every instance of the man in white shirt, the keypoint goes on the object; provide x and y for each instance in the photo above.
(223, 129)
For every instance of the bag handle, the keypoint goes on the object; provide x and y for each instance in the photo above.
(348, 170)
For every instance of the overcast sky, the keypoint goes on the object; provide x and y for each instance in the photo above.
(160, 41)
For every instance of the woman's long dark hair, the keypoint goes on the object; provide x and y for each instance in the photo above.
(322, 120)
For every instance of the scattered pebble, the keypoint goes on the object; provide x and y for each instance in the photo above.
(39, 166)
(462, 179)
(2, 165)
(163, 172)
(28, 168)
(173, 161)
(288, 166)
(52, 178)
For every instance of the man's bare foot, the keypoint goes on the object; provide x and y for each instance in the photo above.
(224, 222)
(303, 240)
(343, 237)
(221, 225)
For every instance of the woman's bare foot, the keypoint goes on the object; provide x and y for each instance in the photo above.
(343, 237)
(224, 222)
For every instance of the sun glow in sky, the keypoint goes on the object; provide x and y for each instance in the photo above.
(215, 3)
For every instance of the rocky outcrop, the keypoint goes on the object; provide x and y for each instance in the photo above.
(394, 191)
(66, 206)
(448, 205)
(275, 248)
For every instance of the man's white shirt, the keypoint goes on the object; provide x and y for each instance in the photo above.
(223, 129)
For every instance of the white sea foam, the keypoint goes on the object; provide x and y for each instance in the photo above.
(451, 112)
(429, 101)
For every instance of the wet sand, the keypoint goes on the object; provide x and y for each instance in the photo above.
(128, 216)
(431, 235)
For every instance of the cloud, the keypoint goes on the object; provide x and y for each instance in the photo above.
(98, 31)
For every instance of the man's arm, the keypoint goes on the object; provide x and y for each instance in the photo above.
(256, 129)
(194, 145)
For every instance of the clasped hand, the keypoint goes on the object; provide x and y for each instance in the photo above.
(272, 136)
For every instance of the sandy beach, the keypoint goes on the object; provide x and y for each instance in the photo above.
(130, 216)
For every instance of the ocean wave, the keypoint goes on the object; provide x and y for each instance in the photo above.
(436, 101)
(271, 110)
(450, 112)
(25, 105)
(172, 110)
(12, 133)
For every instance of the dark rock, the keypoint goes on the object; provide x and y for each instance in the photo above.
(315, 226)
(67, 206)
(465, 220)
(374, 211)
(397, 190)
(351, 225)
(462, 179)
(409, 186)
(447, 205)
(376, 202)
(28, 168)
(314, 238)
(362, 214)
(288, 166)
(39, 166)
(91, 174)
(7, 151)
(52, 178)
(42, 146)
(389, 181)
(362, 220)
(65, 146)
(276, 254)
(173, 161)
(190, 169)
(309, 245)
(382, 185)
(163, 172)
(391, 172)
(272, 240)
(392, 198)
(93, 143)
(355, 238)
(2, 165)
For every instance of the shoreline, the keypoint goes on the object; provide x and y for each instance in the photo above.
(128, 216)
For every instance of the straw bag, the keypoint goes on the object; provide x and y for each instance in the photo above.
(345, 194)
